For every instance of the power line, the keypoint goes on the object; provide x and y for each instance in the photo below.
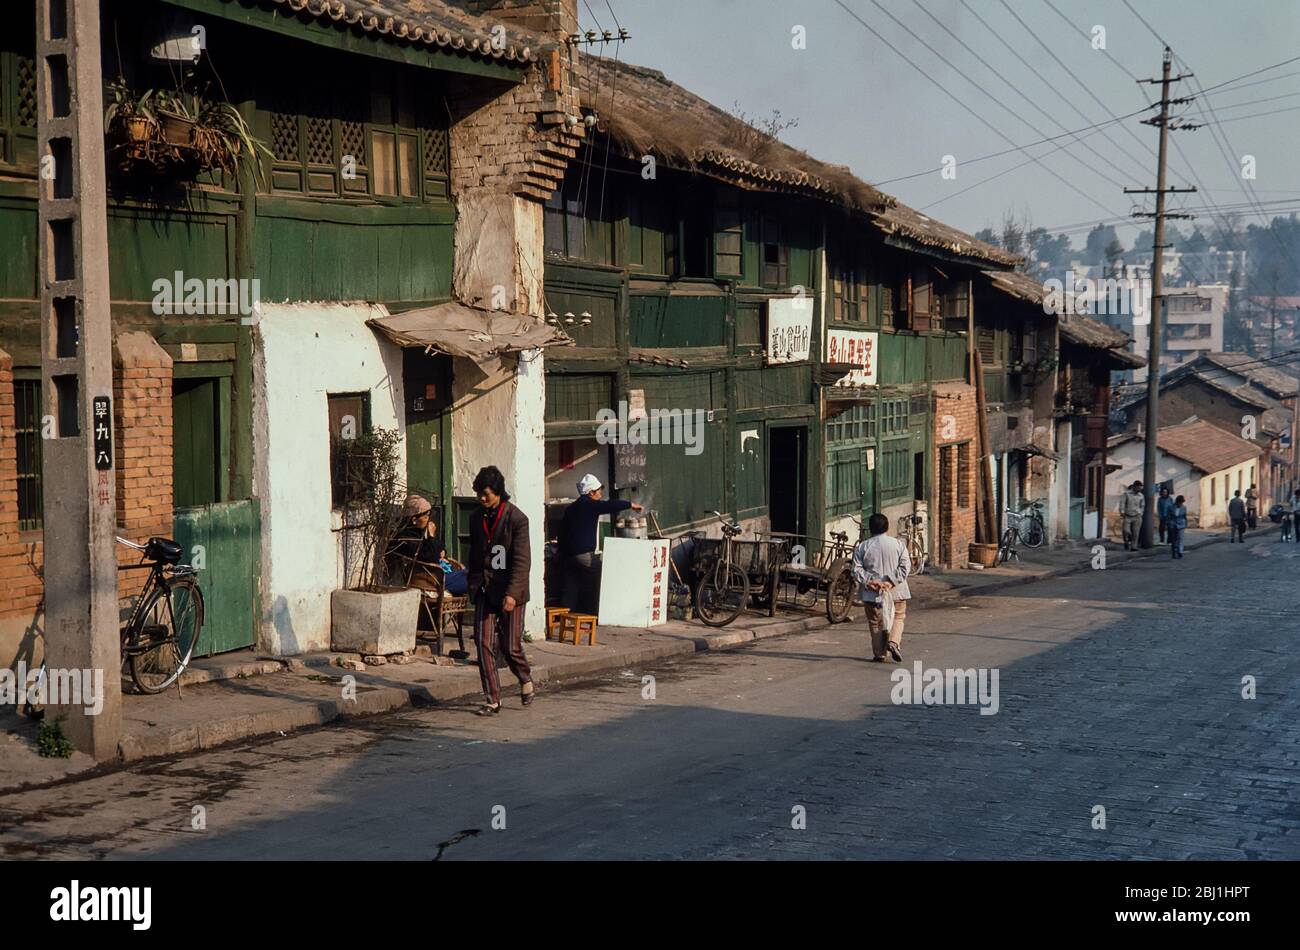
(1008, 151)
(1017, 91)
(1084, 86)
(870, 29)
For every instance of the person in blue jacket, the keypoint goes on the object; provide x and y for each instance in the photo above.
(577, 538)
(1164, 507)
(1177, 525)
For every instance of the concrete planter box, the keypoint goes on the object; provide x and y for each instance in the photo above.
(374, 623)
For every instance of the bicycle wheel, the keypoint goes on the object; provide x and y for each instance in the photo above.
(841, 589)
(1034, 533)
(917, 552)
(1008, 545)
(166, 632)
(722, 595)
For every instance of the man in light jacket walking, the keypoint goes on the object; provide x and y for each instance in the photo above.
(1131, 506)
(881, 566)
(1237, 515)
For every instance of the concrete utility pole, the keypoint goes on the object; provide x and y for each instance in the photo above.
(81, 616)
(1155, 338)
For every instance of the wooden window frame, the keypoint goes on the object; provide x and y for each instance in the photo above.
(31, 502)
(340, 495)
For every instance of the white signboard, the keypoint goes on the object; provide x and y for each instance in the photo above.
(860, 347)
(789, 330)
(634, 583)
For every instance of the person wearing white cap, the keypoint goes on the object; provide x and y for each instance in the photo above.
(577, 537)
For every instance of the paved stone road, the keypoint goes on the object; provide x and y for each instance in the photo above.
(1119, 689)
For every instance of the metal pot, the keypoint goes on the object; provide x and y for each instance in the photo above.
(633, 527)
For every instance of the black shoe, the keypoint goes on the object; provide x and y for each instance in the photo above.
(529, 696)
(895, 652)
(487, 709)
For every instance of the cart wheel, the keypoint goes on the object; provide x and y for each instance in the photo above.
(773, 581)
(840, 590)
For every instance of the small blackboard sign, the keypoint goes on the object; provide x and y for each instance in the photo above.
(103, 419)
(629, 465)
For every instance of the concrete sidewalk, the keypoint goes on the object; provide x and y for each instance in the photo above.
(241, 695)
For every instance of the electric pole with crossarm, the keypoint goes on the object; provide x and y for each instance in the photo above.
(1155, 337)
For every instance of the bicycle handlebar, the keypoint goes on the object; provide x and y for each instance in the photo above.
(130, 544)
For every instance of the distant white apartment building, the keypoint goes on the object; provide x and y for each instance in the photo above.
(1193, 326)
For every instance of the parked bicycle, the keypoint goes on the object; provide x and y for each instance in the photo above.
(723, 591)
(159, 637)
(1024, 526)
(911, 533)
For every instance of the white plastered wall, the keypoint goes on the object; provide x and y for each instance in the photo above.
(303, 353)
(499, 418)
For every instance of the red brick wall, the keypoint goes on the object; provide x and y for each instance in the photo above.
(142, 400)
(142, 397)
(955, 425)
(518, 142)
(20, 585)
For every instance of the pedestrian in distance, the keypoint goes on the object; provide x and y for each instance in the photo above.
(499, 562)
(881, 566)
(1164, 504)
(1285, 515)
(1177, 526)
(1237, 516)
(1295, 515)
(1252, 508)
(1131, 506)
(576, 543)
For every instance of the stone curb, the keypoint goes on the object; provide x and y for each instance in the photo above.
(373, 701)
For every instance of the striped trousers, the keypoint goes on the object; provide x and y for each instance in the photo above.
(497, 633)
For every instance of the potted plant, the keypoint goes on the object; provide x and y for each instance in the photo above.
(371, 616)
(131, 119)
(178, 133)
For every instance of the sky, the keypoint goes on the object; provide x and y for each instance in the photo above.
(858, 102)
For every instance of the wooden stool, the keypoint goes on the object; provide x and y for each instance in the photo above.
(578, 624)
(553, 626)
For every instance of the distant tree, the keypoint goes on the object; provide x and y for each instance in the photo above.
(1114, 254)
(988, 236)
(1194, 244)
(1094, 250)
(1053, 252)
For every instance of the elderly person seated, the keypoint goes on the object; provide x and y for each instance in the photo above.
(419, 541)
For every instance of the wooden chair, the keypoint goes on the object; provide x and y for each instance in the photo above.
(436, 604)
(578, 625)
(554, 622)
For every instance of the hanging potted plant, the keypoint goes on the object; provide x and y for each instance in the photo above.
(371, 616)
(130, 120)
(177, 133)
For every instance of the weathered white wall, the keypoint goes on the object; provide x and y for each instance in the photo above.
(500, 419)
(1129, 456)
(303, 353)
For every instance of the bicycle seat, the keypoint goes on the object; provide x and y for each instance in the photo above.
(163, 551)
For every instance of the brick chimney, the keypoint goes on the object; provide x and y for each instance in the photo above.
(550, 18)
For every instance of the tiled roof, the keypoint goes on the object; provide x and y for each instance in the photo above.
(1206, 446)
(1278, 384)
(1083, 330)
(922, 229)
(645, 113)
(432, 23)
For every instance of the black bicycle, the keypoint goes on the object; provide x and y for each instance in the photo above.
(159, 637)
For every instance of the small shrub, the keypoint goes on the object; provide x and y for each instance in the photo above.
(51, 742)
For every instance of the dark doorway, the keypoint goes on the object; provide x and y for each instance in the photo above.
(196, 444)
(918, 476)
(787, 478)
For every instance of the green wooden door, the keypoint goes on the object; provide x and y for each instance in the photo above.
(224, 542)
(196, 450)
(426, 381)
